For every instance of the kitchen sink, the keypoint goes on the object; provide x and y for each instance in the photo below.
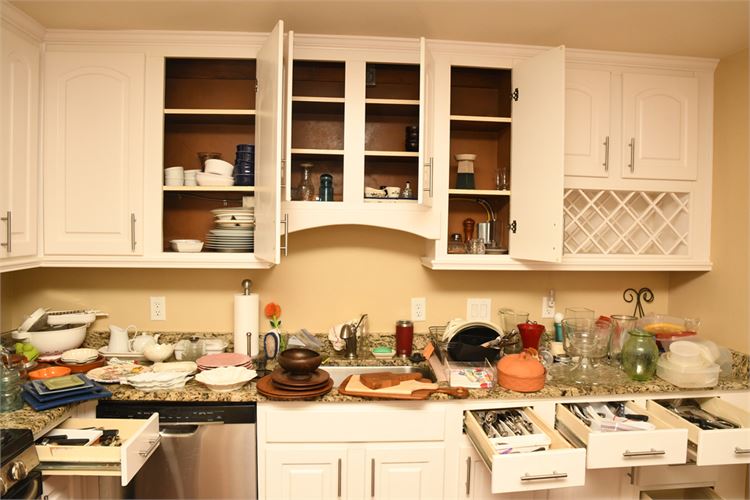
(339, 373)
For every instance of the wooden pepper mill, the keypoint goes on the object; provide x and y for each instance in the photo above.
(469, 229)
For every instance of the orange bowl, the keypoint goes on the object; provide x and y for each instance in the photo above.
(51, 372)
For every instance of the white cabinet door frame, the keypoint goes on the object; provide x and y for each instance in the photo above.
(588, 141)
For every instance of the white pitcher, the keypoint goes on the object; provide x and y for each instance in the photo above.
(118, 339)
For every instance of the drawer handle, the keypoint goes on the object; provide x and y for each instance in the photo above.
(150, 450)
(651, 453)
(741, 451)
(540, 477)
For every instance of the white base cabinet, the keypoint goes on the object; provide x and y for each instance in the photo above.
(306, 471)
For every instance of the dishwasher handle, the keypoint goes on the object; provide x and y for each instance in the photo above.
(178, 431)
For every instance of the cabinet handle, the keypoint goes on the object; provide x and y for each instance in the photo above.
(651, 453)
(741, 451)
(468, 476)
(132, 232)
(429, 184)
(372, 478)
(154, 444)
(606, 154)
(540, 477)
(632, 155)
(8, 230)
(285, 221)
(339, 485)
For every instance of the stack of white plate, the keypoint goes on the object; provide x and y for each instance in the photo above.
(79, 356)
(150, 382)
(234, 230)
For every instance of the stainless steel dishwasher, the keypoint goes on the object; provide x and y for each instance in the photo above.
(207, 450)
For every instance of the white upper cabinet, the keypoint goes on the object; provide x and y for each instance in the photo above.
(93, 153)
(660, 125)
(19, 118)
(268, 140)
(537, 146)
(588, 144)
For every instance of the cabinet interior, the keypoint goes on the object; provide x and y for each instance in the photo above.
(480, 124)
(209, 106)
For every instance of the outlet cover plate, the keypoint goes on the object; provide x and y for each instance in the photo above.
(418, 309)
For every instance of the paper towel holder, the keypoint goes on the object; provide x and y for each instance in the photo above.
(246, 284)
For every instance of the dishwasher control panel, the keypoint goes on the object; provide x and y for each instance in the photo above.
(179, 413)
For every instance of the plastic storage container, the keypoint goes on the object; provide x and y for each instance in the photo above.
(706, 375)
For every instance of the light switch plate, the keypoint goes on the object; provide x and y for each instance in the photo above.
(478, 309)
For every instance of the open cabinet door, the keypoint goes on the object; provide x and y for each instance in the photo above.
(426, 121)
(268, 140)
(537, 157)
(286, 184)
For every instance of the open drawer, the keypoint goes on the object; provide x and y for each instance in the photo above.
(716, 446)
(662, 446)
(560, 466)
(681, 494)
(139, 439)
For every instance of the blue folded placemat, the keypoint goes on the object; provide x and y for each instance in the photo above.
(96, 392)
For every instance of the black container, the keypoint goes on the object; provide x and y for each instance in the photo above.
(412, 138)
(244, 180)
(246, 147)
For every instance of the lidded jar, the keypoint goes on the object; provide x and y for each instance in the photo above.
(520, 372)
(640, 355)
(326, 187)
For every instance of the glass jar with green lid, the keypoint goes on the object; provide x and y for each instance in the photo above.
(640, 355)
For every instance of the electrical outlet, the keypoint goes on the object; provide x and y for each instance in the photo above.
(478, 309)
(548, 307)
(418, 309)
(158, 308)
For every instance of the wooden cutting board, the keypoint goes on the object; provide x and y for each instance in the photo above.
(412, 389)
(381, 380)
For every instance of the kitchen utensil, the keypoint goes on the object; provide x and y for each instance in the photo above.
(299, 363)
(158, 352)
(51, 372)
(186, 246)
(316, 379)
(465, 171)
(468, 227)
(472, 340)
(381, 380)
(118, 338)
(351, 386)
(54, 338)
(73, 317)
(688, 376)
(266, 387)
(226, 378)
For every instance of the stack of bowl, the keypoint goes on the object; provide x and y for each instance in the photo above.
(174, 176)
(191, 178)
(244, 165)
(216, 173)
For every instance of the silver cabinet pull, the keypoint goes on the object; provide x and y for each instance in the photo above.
(154, 444)
(632, 155)
(468, 476)
(540, 477)
(741, 451)
(132, 232)
(372, 478)
(651, 453)
(606, 154)
(429, 169)
(285, 221)
(339, 485)
(8, 230)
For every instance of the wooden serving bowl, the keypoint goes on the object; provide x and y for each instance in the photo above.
(299, 362)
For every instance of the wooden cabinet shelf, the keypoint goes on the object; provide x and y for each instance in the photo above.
(209, 189)
(480, 193)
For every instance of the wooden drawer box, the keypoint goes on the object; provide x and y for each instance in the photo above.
(718, 446)
(604, 450)
(139, 439)
(560, 466)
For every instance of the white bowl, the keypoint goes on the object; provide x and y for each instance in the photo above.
(192, 172)
(214, 346)
(55, 339)
(218, 167)
(79, 355)
(191, 246)
(158, 352)
(205, 179)
(225, 378)
(174, 171)
(174, 182)
(466, 157)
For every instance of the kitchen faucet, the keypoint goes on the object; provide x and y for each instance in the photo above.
(349, 334)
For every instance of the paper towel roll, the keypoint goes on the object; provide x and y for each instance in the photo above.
(246, 319)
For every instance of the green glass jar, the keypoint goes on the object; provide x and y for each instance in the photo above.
(640, 355)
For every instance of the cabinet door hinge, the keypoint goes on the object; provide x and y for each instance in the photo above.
(513, 226)
(256, 86)
(514, 94)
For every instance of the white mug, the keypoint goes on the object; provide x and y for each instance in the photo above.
(393, 191)
(118, 339)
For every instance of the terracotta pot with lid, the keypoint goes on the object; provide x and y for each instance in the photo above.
(520, 372)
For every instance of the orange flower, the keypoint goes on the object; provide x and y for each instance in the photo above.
(272, 310)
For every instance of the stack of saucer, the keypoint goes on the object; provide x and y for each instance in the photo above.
(234, 230)
(212, 361)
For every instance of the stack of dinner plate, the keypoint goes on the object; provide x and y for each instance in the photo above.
(212, 361)
(234, 230)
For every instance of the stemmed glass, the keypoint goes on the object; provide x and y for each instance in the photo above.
(588, 339)
(306, 188)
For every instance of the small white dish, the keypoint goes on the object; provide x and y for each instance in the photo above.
(225, 378)
(158, 352)
(130, 355)
(190, 246)
(218, 167)
(189, 367)
(205, 179)
(80, 356)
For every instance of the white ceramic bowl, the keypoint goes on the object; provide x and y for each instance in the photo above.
(205, 179)
(192, 172)
(158, 352)
(214, 346)
(174, 181)
(225, 378)
(55, 340)
(174, 172)
(186, 245)
(218, 167)
(79, 355)
(466, 157)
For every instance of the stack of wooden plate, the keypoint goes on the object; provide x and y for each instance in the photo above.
(280, 385)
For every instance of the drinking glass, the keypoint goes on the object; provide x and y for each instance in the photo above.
(589, 341)
(501, 179)
(623, 323)
(306, 188)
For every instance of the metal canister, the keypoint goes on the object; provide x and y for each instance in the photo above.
(404, 337)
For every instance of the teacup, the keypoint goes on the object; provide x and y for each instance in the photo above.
(393, 191)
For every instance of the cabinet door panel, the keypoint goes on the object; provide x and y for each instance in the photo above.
(18, 123)
(299, 473)
(93, 162)
(660, 127)
(587, 95)
(426, 123)
(414, 472)
(537, 153)
(268, 139)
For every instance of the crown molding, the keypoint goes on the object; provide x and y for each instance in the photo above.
(13, 16)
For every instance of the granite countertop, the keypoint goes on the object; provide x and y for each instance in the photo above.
(196, 392)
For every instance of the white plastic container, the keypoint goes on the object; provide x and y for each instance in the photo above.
(691, 377)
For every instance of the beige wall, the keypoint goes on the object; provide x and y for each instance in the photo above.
(721, 296)
(331, 274)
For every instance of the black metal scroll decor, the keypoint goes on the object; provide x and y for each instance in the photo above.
(644, 294)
